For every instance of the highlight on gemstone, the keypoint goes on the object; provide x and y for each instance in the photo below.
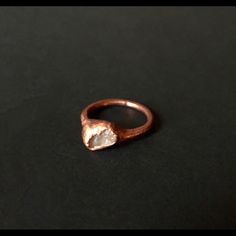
(104, 139)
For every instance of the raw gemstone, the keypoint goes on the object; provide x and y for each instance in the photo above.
(104, 139)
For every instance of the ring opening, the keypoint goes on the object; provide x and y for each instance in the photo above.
(125, 117)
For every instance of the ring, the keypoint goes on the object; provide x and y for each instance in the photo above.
(100, 134)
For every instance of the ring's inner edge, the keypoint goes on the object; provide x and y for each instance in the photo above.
(124, 116)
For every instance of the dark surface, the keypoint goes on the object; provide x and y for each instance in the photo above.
(179, 61)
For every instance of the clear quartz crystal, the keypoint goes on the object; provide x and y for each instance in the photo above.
(104, 139)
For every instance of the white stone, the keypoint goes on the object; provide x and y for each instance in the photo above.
(105, 138)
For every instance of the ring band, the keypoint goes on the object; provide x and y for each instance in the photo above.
(99, 134)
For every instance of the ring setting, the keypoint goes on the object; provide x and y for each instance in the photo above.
(98, 135)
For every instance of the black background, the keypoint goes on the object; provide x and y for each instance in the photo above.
(180, 61)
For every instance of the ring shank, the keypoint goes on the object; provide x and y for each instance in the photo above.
(124, 134)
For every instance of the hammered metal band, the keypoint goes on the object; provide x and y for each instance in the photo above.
(99, 134)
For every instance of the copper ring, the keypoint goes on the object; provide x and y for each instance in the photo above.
(99, 134)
